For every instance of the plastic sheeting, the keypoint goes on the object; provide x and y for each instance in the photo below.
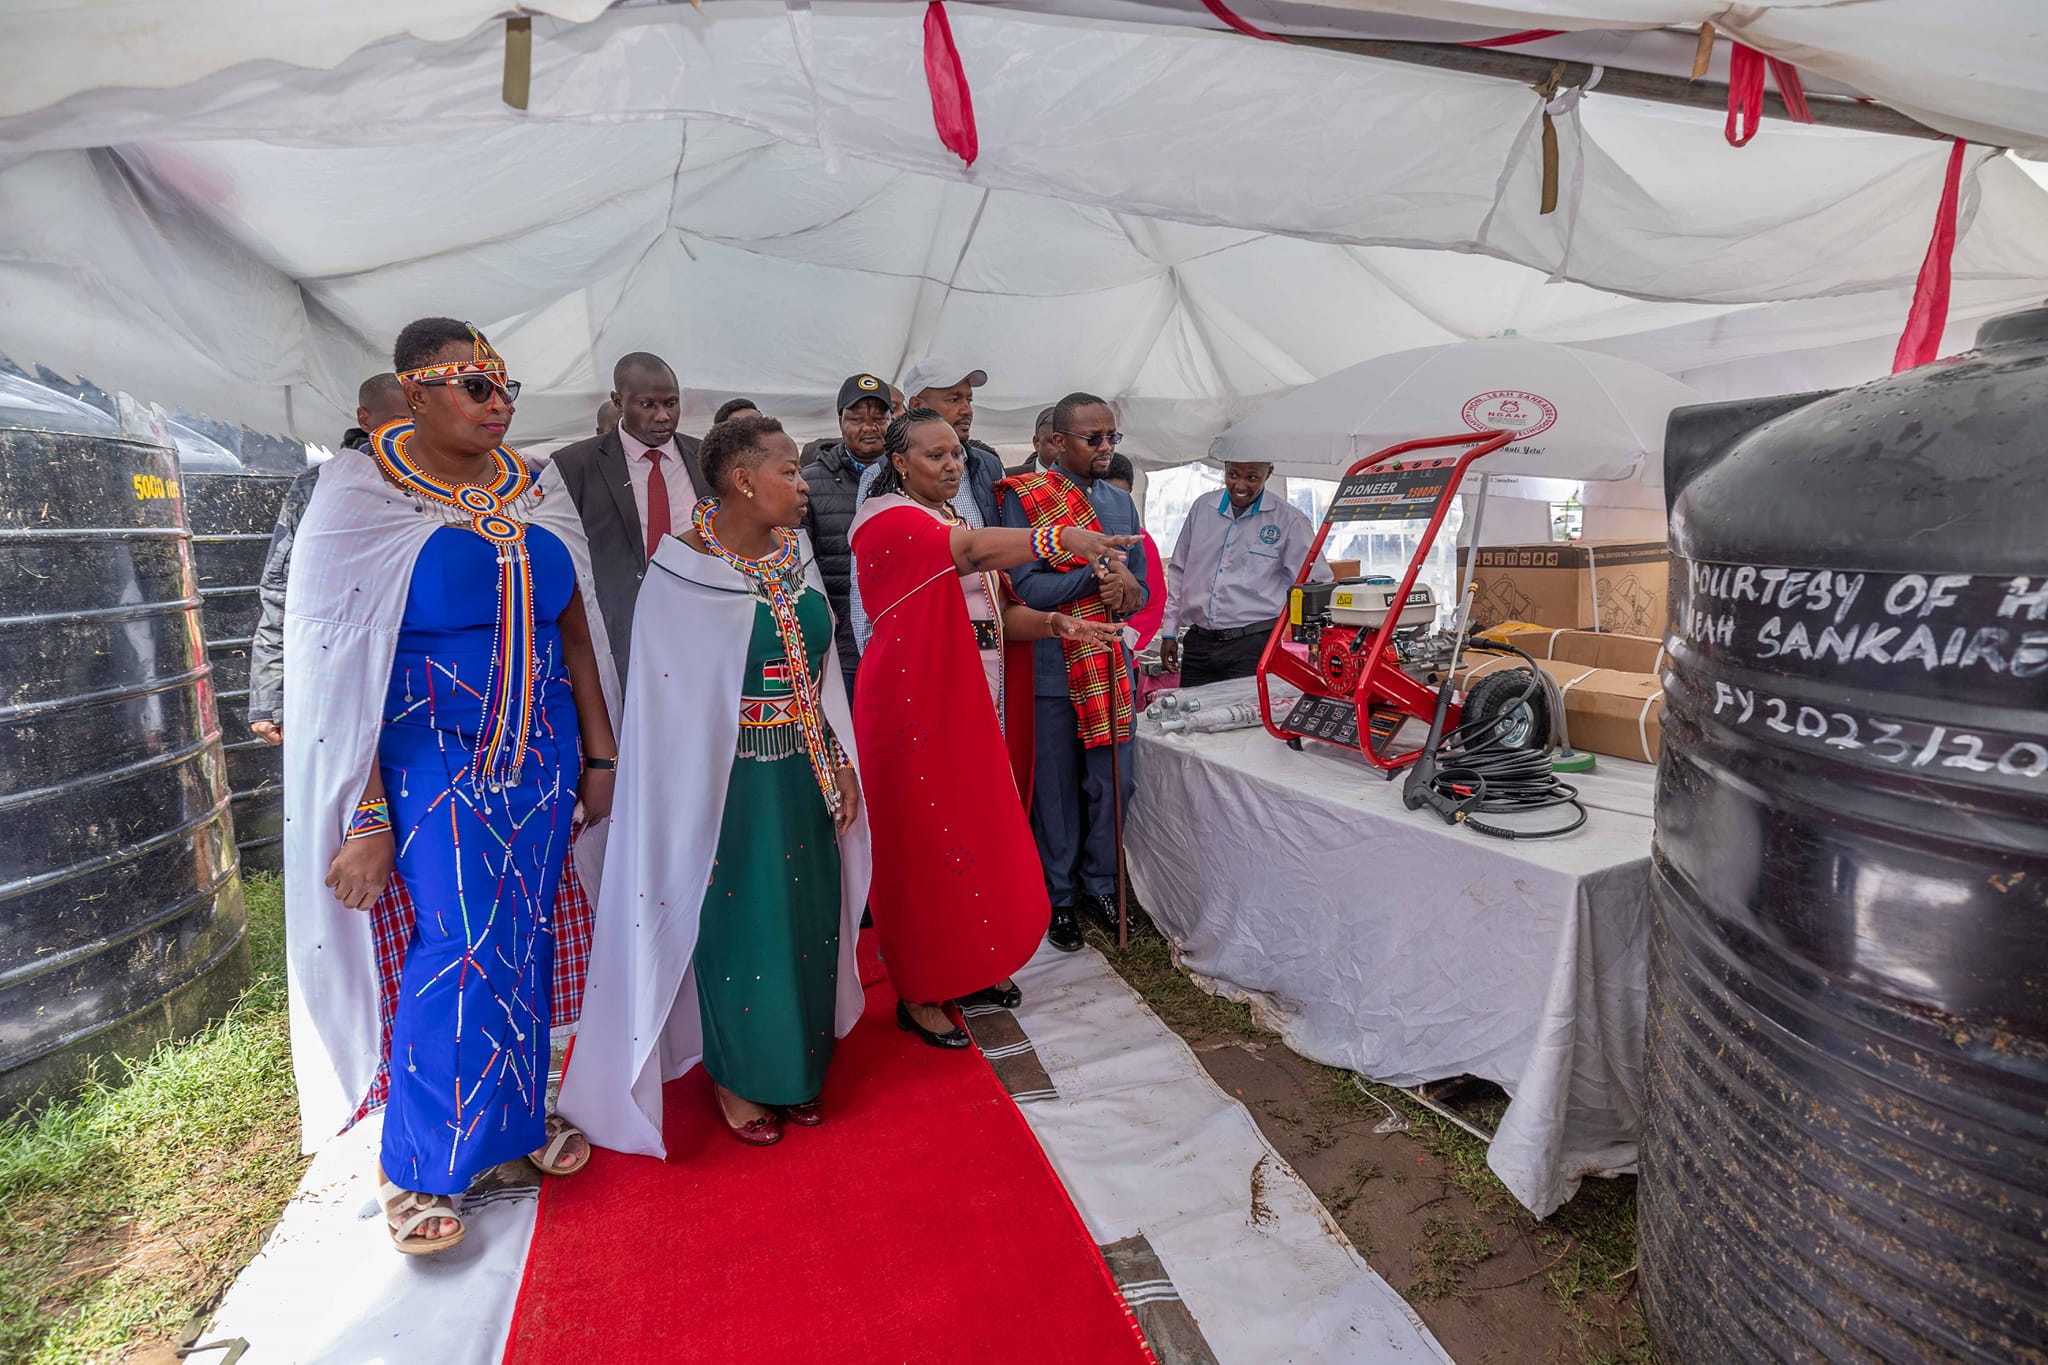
(1380, 939)
(1156, 215)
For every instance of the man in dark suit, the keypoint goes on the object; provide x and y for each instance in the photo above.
(632, 486)
(1042, 457)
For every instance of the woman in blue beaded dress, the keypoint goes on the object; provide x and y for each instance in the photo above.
(493, 726)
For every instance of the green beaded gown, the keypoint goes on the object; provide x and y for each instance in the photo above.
(768, 946)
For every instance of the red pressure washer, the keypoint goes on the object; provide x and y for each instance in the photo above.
(1352, 667)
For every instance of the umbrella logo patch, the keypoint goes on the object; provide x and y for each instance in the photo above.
(1526, 414)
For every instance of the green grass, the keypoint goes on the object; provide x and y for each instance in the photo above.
(132, 1206)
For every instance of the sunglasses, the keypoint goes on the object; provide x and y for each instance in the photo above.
(478, 387)
(1094, 440)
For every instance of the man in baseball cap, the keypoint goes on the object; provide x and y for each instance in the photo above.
(834, 477)
(946, 385)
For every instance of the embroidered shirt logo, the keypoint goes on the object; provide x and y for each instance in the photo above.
(1269, 535)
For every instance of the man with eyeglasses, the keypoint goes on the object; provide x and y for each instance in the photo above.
(1083, 696)
(1228, 580)
(632, 486)
(834, 478)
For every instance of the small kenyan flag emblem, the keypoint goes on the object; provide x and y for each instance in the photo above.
(775, 676)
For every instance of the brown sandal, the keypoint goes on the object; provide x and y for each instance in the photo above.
(406, 1211)
(560, 1131)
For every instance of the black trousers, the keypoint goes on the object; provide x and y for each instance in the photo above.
(1205, 659)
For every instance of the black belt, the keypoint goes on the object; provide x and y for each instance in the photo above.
(1234, 633)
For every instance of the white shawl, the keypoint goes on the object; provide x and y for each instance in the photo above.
(640, 1024)
(351, 570)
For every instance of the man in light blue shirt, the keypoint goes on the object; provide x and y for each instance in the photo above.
(1238, 554)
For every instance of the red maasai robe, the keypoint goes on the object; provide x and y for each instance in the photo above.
(958, 895)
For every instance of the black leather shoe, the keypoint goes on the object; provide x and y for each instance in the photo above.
(1065, 932)
(1002, 997)
(955, 1038)
(1103, 910)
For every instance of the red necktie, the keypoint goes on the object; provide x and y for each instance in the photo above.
(657, 503)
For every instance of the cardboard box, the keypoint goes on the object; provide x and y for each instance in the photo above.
(1557, 585)
(1341, 569)
(1606, 711)
(1593, 648)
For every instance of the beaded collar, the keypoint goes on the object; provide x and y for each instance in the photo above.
(779, 576)
(508, 697)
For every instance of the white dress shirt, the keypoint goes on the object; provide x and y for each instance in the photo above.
(1233, 569)
(682, 494)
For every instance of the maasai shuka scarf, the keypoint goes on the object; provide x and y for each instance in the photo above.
(1097, 682)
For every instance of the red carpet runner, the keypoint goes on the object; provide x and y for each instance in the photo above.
(920, 1224)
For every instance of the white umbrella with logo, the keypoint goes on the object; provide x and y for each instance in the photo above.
(1578, 415)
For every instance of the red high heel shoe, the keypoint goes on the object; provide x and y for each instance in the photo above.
(764, 1131)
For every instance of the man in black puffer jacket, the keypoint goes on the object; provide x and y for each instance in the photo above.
(834, 479)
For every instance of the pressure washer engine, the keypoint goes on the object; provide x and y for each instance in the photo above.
(1364, 647)
(1355, 649)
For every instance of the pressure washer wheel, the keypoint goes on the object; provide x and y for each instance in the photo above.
(1499, 693)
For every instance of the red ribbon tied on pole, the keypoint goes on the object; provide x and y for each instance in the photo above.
(1746, 67)
(1239, 22)
(952, 102)
(1929, 313)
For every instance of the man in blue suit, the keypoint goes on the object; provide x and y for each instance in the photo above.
(1073, 795)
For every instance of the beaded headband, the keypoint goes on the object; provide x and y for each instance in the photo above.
(484, 360)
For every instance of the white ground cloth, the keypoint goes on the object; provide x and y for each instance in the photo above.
(327, 1288)
(1147, 1143)
(1380, 939)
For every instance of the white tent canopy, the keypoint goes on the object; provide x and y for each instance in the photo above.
(756, 192)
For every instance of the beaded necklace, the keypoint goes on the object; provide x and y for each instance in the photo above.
(508, 697)
(779, 577)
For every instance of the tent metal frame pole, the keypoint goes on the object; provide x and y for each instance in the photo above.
(1832, 111)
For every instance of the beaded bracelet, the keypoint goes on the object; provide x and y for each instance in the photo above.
(371, 817)
(1046, 543)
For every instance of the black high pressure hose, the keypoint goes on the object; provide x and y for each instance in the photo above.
(1472, 771)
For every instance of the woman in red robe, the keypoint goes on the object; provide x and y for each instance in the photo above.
(958, 896)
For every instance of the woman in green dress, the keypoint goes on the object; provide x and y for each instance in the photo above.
(737, 862)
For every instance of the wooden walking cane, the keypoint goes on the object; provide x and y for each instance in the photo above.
(1117, 799)
(1116, 783)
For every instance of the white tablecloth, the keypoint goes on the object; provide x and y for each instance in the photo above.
(1380, 939)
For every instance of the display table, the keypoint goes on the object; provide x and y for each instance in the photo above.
(1380, 939)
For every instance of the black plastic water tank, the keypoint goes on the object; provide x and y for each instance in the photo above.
(121, 919)
(231, 517)
(1845, 1154)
